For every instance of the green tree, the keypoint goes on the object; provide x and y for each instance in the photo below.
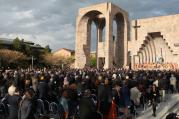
(28, 50)
(12, 57)
(93, 62)
(17, 44)
(47, 49)
(1, 46)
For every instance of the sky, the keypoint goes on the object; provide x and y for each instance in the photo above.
(52, 22)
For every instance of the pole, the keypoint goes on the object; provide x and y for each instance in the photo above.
(0, 62)
(32, 62)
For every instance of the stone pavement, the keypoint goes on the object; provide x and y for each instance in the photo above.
(170, 105)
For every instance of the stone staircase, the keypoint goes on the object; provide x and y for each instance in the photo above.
(170, 105)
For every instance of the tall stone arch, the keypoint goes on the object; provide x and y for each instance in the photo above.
(151, 50)
(105, 49)
(148, 52)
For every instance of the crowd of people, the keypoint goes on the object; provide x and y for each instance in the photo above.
(82, 94)
(154, 66)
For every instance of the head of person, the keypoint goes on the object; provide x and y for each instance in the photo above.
(127, 77)
(11, 90)
(106, 81)
(87, 93)
(154, 87)
(65, 94)
(30, 93)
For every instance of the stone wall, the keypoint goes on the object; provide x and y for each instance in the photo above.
(168, 26)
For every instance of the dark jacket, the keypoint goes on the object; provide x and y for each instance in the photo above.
(105, 98)
(13, 102)
(87, 108)
(26, 110)
(42, 88)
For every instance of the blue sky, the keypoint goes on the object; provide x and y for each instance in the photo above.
(53, 21)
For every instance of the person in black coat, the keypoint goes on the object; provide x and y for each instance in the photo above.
(42, 88)
(13, 102)
(154, 98)
(104, 97)
(87, 107)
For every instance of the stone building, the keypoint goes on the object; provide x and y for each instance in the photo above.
(103, 15)
(154, 40)
(6, 43)
(64, 52)
(125, 43)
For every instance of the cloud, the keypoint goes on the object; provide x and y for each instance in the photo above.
(53, 22)
(24, 15)
(27, 25)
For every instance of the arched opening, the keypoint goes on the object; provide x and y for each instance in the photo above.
(93, 61)
(155, 50)
(93, 37)
(118, 39)
(114, 42)
(102, 15)
(92, 30)
(101, 34)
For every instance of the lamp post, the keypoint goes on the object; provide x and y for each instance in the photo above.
(0, 62)
(32, 62)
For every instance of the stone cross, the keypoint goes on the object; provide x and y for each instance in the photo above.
(136, 27)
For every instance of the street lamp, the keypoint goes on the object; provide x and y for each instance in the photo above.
(32, 62)
(0, 62)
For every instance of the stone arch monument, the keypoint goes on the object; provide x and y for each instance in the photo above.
(110, 51)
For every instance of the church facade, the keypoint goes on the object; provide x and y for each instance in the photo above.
(140, 43)
(155, 40)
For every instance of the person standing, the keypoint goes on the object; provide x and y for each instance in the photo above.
(104, 98)
(135, 95)
(173, 83)
(42, 88)
(87, 107)
(64, 103)
(13, 102)
(126, 95)
(154, 97)
(27, 107)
